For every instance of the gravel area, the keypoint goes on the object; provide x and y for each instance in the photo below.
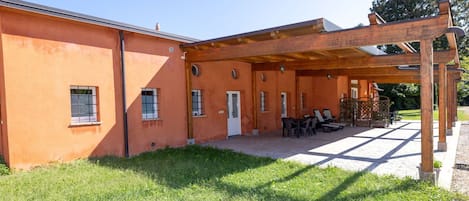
(461, 176)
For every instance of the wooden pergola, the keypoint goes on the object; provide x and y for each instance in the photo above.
(318, 47)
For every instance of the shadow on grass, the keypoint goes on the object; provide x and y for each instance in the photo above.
(179, 168)
(207, 167)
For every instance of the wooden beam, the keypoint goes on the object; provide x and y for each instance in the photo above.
(413, 30)
(370, 61)
(388, 79)
(426, 107)
(442, 92)
(375, 19)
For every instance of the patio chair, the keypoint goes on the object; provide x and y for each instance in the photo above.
(290, 126)
(306, 127)
(326, 126)
(328, 115)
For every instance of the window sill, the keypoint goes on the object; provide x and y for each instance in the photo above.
(152, 119)
(199, 116)
(77, 124)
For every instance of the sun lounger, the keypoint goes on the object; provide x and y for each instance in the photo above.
(327, 126)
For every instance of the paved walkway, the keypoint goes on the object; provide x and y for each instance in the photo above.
(394, 150)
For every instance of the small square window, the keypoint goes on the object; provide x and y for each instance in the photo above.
(84, 105)
(197, 104)
(149, 104)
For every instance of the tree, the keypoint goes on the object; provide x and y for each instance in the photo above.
(397, 10)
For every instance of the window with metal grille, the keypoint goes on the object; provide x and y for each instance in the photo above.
(197, 104)
(263, 101)
(149, 104)
(84, 105)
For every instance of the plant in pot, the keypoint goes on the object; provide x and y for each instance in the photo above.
(437, 166)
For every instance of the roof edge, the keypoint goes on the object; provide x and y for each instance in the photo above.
(69, 15)
(319, 21)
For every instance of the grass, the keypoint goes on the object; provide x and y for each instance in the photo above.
(4, 170)
(199, 173)
(415, 115)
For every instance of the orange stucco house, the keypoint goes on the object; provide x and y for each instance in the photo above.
(76, 86)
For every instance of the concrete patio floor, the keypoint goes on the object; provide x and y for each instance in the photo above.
(394, 150)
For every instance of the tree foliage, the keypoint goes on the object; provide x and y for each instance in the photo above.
(397, 10)
(404, 95)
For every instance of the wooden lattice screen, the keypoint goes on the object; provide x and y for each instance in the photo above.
(365, 112)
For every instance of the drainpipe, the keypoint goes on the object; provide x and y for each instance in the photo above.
(124, 102)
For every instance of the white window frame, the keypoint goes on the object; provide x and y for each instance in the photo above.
(154, 115)
(87, 119)
(198, 95)
(354, 92)
(262, 95)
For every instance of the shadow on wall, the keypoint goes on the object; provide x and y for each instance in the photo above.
(153, 64)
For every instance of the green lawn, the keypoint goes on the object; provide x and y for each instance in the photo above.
(197, 173)
(415, 115)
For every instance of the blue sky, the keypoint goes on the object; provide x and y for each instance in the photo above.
(206, 19)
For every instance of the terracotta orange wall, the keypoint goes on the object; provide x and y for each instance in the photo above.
(275, 83)
(43, 56)
(363, 88)
(214, 80)
(306, 87)
(155, 63)
(343, 89)
(327, 93)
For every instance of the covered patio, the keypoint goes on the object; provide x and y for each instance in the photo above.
(386, 151)
(320, 49)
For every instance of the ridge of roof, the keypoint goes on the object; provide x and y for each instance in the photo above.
(65, 14)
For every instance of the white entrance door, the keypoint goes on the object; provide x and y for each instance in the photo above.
(233, 112)
(283, 102)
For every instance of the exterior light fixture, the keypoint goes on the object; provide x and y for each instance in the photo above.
(263, 78)
(234, 73)
(195, 70)
(282, 68)
(329, 76)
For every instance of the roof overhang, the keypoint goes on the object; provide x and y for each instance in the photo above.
(320, 45)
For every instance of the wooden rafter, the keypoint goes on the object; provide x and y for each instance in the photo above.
(384, 34)
(375, 19)
(373, 61)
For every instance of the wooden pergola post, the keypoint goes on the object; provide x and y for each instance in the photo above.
(449, 119)
(190, 131)
(426, 106)
(455, 103)
(255, 107)
(442, 106)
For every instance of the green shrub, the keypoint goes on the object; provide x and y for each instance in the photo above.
(4, 170)
(437, 164)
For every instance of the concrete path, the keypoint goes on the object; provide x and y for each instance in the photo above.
(394, 150)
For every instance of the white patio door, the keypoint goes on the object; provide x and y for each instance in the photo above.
(233, 112)
(283, 102)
